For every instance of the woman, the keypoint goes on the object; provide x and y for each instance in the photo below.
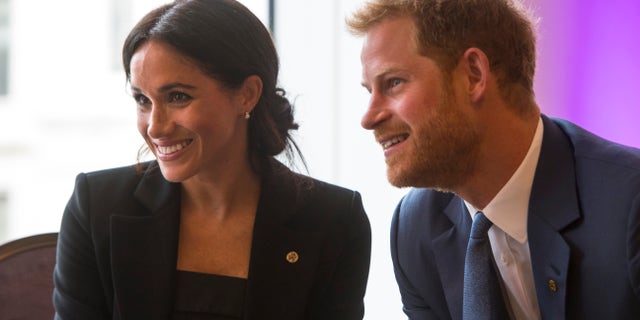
(215, 227)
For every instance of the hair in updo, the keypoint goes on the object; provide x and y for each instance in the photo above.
(229, 43)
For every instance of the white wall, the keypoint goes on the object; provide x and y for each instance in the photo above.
(66, 110)
(321, 68)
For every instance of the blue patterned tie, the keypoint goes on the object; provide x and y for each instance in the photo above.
(482, 298)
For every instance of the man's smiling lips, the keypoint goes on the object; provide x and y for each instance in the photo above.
(390, 141)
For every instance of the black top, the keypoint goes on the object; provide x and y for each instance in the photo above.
(202, 296)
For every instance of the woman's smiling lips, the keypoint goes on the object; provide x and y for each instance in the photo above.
(168, 151)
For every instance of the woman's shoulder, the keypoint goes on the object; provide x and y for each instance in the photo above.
(312, 199)
(307, 188)
(323, 190)
(114, 182)
(118, 176)
(135, 170)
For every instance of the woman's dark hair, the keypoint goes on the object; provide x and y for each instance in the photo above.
(229, 43)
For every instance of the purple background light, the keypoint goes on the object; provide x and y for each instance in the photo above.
(588, 68)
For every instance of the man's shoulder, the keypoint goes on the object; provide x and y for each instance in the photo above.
(421, 216)
(589, 147)
(423, 204)
(602, 167)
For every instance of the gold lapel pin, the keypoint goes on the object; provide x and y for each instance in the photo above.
(292, 257)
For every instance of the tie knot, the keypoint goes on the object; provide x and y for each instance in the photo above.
(480, 226)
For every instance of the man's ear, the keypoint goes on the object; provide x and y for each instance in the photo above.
(249, 93)
(477, 69)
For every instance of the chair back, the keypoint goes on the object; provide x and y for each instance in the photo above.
(26, 277)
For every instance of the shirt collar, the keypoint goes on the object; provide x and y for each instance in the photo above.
(509, 208)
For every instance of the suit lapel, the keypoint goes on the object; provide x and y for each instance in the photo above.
(552, 207)
(276, 282)
(450, 248)
(144, 250)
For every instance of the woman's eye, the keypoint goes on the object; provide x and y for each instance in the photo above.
(179, 97)
(141, 99)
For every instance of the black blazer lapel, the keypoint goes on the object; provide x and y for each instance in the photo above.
(552, 207)
(276, 280)
(450, 249)
(144, 250)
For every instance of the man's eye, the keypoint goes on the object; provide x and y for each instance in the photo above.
(395, 82)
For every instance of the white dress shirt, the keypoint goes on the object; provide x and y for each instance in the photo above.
(508, 211)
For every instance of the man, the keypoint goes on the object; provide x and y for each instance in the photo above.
(452, 105)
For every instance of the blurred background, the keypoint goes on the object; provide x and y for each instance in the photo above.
(64, 108)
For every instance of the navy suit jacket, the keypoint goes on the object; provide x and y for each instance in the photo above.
(117, 249)
(583, 231)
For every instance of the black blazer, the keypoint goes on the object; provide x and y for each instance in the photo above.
(583, 230)
(117, 248)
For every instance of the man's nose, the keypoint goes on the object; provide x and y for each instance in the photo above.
(375, 114)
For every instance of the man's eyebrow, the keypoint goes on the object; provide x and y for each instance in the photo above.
(379, 76)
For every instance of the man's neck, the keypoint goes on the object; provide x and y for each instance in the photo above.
(505, 142)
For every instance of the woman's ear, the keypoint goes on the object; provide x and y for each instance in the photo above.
(249, 93)
(477, 69)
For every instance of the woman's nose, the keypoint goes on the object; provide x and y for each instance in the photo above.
(159, 123)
